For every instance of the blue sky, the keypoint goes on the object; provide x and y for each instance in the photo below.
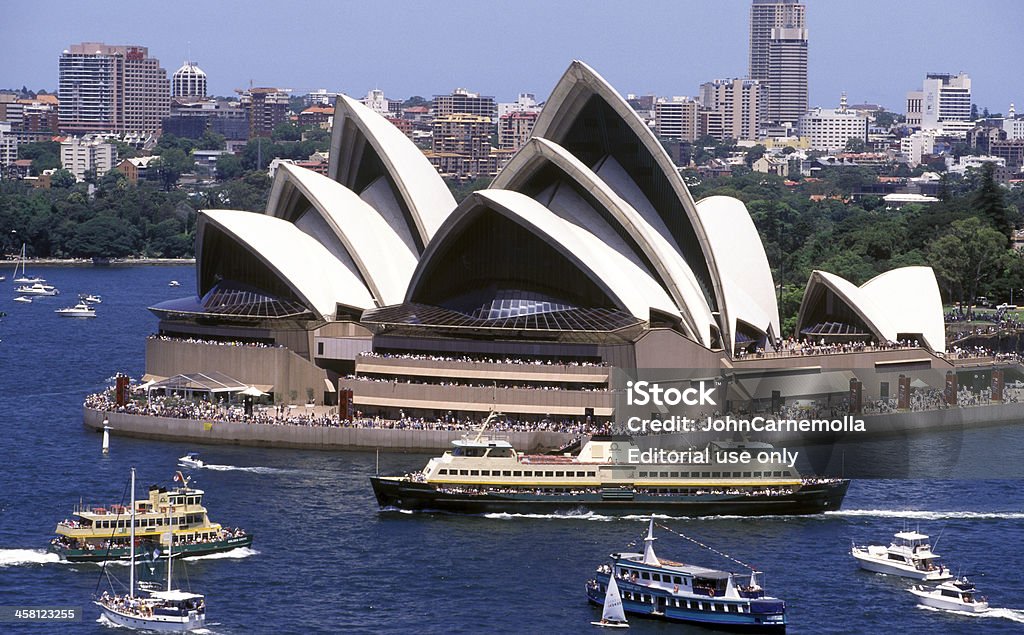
(876, 50)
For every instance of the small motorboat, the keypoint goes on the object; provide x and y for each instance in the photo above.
(37, 288)
(23, 299)
(80, 310)
(191, 460)
(89, 298)
(955, 595)
(174, 283)
(909, 555)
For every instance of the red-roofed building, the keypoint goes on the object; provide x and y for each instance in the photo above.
(316, 116)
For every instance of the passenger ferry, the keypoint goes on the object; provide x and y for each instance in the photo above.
(485, 474)
(658, 588)
(95, 534)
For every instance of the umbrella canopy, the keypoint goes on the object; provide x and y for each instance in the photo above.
(252, 391)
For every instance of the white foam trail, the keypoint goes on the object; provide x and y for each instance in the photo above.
(236, 553)
(1014, 615)
(928, 515)
(17, 557)
(104, 621)
(254, 470)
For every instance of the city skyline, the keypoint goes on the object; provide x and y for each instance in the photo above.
(669, 49)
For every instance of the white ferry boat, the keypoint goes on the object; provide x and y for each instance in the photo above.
(655, 587)
(485, 474)
(909, 555)
(955, 595)
(95, 534)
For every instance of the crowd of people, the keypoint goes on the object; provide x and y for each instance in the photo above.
(491, 384)
(483, 359)
(196, 340)
(793, 347)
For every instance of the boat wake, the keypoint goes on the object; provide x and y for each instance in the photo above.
(254, 469)
(21, 557)
(1014, 615)
(234, 554)
(928, 515)
(578, 515)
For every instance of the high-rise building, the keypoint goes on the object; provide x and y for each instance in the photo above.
(676, 118)
(778, 57)
(944, 101)
(265, 108)
(111, 88)
(188, 82)
(740, 103)
(461, 101)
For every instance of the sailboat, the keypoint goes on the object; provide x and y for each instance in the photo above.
(612, 615)
(170, 611)
(24, 278)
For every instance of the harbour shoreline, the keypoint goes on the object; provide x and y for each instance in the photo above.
(88, 262)
(301, 436)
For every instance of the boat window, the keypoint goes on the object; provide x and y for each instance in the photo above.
(896, 556)
(485, 472)
(517, 473)
(677, 579)
(474, 472)
(656, 577)
(644, 575)
(643, 474)
(549, 473)
(950, 594)
(442, 471)
(463, 472)
(500, 453)
(716, 475)
(458, 452)
(560, 474)
(705, 474)
(506, 472)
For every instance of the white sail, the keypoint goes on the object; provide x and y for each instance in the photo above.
(613, 603)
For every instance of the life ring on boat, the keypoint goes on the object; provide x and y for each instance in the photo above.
(675, 589)
(711, 592)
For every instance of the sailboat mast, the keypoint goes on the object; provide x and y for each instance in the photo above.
(131, 542)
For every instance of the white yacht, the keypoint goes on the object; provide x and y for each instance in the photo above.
(90, 298)
(37, 288)
(191, 460)
(80, 310)
(955, 595)
(23, 299)
(169, 611)
(174, 283)
(24, 278)
(909, 555)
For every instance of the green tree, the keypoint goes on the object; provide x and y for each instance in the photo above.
(967, 256)
(210, 141)
(753, 154)
(989, 203)
(286, 131)
(62, 178)
(228, 167)
(104, 237)
(171, 164)
(45, 155)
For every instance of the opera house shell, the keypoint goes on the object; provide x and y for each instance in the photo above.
(587, 252)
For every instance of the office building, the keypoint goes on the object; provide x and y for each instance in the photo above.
(739, 103)
(830, 129)
(676, 118)
(943, 103)
(111, 88)
(81, 155)
(514, 128)
(265, 108)
(188, 82)
(461, 101)
(778, 57)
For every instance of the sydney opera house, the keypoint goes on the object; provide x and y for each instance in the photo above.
(586, 253)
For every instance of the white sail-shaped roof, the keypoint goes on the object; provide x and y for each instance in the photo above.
(650, 243)
(630, 286)
(372, 157)
(379, 251)
(301, 262)
(559, 120)
(901, 301)
(748, 288)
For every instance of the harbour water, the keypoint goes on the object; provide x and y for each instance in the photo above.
(326, 560)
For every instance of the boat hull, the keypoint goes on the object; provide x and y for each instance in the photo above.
(925, 598)
(763, 616)
(869, 563)
(157, 623)
(180, 551)
(417, 496)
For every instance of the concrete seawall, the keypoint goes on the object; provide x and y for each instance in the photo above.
(302, 437)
